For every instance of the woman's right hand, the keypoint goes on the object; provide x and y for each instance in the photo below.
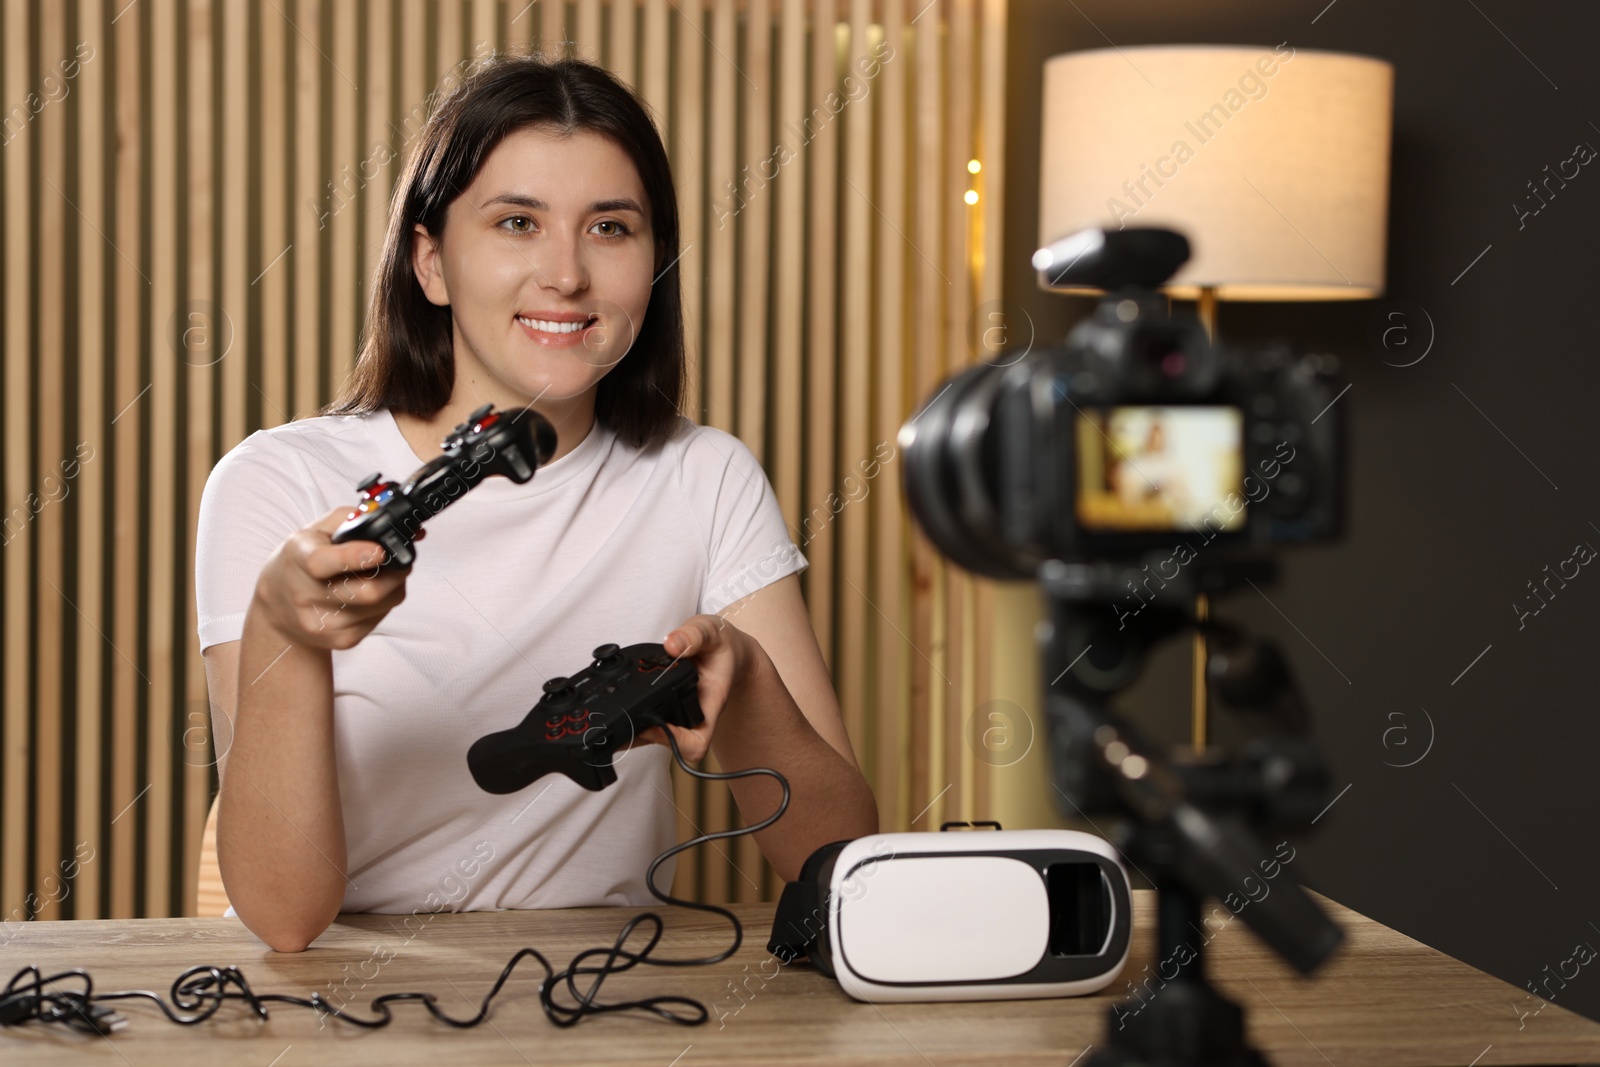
(322, 595)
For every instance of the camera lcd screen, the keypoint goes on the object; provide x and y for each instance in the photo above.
(1160, 468)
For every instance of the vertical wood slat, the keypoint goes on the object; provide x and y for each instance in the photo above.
(18, 647)
(194, 353)
(310, 227)
(656, 69)
(821, 152)
(956, 259)
(92, 651)
(821, 331)
(887, 515)
(788, 271)
(750, 356)
(415, 81)
(586, 31)
(523, 29)
(49, 130)
(245, 73)
(17, 650)
(788, 292)
(451, 46)
(764, 307)
(688, 132)
(754, 222)
(161, 405)
(931, 297)
(718, 333)
(621, 43)
(129, 685)
(376, 91)
(552, 27)
(266, 268)
(485, 16)
(345, 282)
(687, 127)
(992, 204)
(855, 276)
(261, 267)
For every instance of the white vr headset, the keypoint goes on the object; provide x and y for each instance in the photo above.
(960, 916)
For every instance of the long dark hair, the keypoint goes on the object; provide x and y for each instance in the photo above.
(407, 360)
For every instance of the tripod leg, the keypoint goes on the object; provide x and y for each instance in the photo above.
(1182, 1020)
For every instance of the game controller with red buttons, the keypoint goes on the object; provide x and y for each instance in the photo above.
(581, 722)
(489, 442)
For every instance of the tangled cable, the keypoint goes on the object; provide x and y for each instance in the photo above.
(199, 992)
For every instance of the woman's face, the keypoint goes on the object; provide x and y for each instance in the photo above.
(546, 262)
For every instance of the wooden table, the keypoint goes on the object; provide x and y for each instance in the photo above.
(1386, 999)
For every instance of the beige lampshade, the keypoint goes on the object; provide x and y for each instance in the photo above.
(1273, 162)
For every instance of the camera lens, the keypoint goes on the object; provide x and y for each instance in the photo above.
(952, 460)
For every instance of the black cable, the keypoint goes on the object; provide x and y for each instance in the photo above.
(22, 1001)
(199, 992)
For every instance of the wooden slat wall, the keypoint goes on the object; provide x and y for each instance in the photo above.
(190, 224)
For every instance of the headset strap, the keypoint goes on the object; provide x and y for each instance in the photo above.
(801, 919)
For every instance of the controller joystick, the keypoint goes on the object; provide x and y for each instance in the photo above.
(488, 443)
(581, 721)
(559, 692)
(608, 660)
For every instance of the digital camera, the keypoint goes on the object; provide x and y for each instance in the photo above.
(1136, 435)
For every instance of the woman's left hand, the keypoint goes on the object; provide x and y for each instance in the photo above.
(724, 656)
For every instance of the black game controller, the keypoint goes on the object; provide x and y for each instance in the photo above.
(581, 721)
(489, 442)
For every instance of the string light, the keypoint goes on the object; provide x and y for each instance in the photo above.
(973, 166)
(972, 196)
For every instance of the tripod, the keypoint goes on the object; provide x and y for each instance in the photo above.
(1190, 825)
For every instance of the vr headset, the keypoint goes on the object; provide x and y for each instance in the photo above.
(960, 916)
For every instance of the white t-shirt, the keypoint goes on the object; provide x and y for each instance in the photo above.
(514, 584)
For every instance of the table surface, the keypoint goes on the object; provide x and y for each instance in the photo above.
(1384, 999)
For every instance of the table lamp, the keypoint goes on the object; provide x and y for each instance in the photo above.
(1273, 161)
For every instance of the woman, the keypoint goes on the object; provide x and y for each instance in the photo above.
(530, 259)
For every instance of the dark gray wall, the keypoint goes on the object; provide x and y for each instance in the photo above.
(1486, 847)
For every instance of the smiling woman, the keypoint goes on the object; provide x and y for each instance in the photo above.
(558, 199)
(546, 292)
(529, 261)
